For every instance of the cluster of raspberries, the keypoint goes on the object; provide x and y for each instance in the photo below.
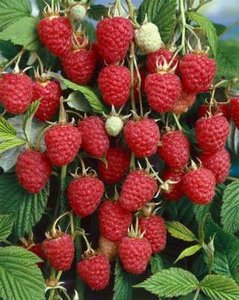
(167, 90)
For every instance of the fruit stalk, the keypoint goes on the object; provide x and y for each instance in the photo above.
(184, 24)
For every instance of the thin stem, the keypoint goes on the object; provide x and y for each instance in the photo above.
(58, 219)
(232, 178)
(40, 136)
(131, 9)
(131, 66)
(184, 24)
(72, 224)
(14, 58)
(196, 294)
(74, 112)
(52, 277)
(177, 122)
(132, 161)
(139, 86)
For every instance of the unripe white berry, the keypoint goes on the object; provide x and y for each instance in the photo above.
(78, 12)
(114, 125)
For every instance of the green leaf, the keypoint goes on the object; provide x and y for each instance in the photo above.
(22, 32)
(89, 29)
(12, 10)
(9, 144)
(123, 284)
(162, 13)
(179, 231)
(96, 12)
(219, 287)
(8, 50)
(20, 278)
(156, 263)
(6, 129)
(26, 208)
(220, 28)
(172, 282)
(188, 252)
(207, 26)
(6, 224)
(78, 101)
(28, 117)
(230, 208)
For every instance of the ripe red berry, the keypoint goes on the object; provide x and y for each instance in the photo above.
(138, 189)
(199, 185)
(113, 220)
(114, 84)
(157, 58)
(174, 149)
(114, 36)
(234, 105)
(135, 254)
(38, 250)
(218, 163)
(33, 170)
(59, 251)
(117, 165)
(62, 144)
(84, 195)
(95, 140)
(155, 231)
(222, 108)
(175, 191)
(94, 270)
(162, 90)
(108, 248)
(142, 136)
(49, 94)
(212, 133)
(197, 72)
(15, 92)
(55, 33)
(79, 65)
(184, 102)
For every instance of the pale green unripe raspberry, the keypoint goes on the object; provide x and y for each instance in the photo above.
(114, 125)
(147, 38)
(78, 12)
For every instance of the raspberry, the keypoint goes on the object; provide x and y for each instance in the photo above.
(38, 250)
(148, 38)
(218, 163)
(222, 108)
(114, 36)
(162, 90)
(62, 144)
(33, 170)
(175, 191)
(49, 94)
(59, 251)
(184, 102)
(114, 125)
(108, 248)
(15, 92)
(117, 165)
(55, 33)
(113, 220)
(79, 65)
(199, 185)
(174, 149)
(95, 271)
(155, 231)
(138, 189)
(78, 12)
(234, 105)
(114, 84)
(84, 195)
(135, 254)
(142, 136)
(94, 137)
(156, 58)
(197, 72)
(212, 133)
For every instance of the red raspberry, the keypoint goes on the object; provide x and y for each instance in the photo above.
(155, 231)
(175, 191)
(79, 65)
(234, 105)
(38, 250)
(84, 195)
(174, 149)
(197, 72)
(212, 133)
(55, 33)
(113, 220)
(15, 92)
(117, 165)
(156, 58)
(108, 248)
(138, 189)
(135, 254)
(184, 102)
(221, 108)
(162, 90)
(142, 136)
(114, 84)
(95, 140)
(33, 170)
(62, 144)
(218, 163)
(95, 271)
(114, 36)
(49, 93)
(59, 251)
(199, 185)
